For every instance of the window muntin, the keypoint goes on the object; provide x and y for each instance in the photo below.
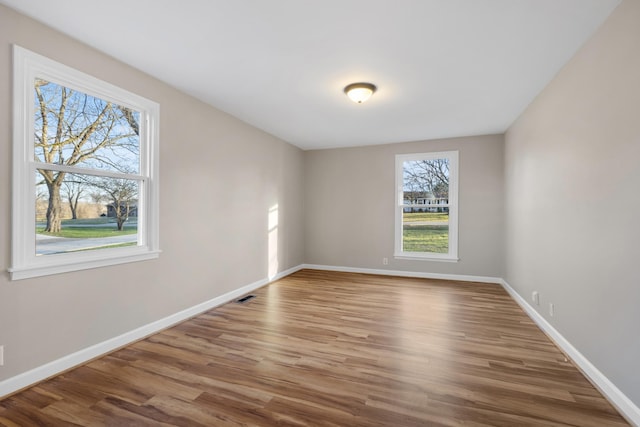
(81, 148)
(426, 208)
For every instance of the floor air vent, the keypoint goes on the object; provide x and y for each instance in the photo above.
(245, 299)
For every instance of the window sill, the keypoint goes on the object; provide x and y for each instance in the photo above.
(429, 257)
(26, 272)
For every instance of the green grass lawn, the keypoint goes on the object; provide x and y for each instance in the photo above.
(88, 232)
(425, 238)
(81, 228)
(425, 216)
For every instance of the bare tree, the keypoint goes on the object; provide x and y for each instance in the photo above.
(122, 195)
(429, 176)
(73, 190)
(41, 200)
(97, 198)
(441, 190)
(73, 128)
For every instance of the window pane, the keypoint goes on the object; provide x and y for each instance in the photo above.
(425, 231)
(425, 219)
(76, 129)
(77, 212)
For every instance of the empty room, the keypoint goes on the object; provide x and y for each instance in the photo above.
(336, 213)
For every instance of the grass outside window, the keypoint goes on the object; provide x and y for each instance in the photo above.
(91, 228)
(425, 232)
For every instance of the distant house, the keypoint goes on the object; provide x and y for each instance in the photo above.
(425, 202)
(133, 209)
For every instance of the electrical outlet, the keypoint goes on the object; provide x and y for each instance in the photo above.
(1, 355)
(385, 261)
(552, 309)
(535, 296)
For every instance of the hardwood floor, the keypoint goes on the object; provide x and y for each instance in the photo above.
(332, 349)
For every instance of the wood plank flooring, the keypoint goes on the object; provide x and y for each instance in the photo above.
(331, 349)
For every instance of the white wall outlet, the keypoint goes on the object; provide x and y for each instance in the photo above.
(1, 355)
(535, 297)
(552, 309)
(385, 261)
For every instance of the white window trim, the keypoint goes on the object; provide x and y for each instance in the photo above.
(452, 255)
(27, 66)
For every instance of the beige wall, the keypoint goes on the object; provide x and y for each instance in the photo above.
(219, 178)
(573, 200)
(349, 206)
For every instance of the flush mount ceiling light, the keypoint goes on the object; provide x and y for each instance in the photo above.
(359, 92)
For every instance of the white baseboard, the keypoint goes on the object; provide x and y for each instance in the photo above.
(400, 273)
(617, 398)
(55, 367)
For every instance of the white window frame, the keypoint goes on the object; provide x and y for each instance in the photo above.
(27, 67)
(452, 255)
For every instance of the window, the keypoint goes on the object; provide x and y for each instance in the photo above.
(427, 206)
(85, 171)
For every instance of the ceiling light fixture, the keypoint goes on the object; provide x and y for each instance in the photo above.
(359, 92)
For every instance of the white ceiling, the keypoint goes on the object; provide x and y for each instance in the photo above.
(443, 68)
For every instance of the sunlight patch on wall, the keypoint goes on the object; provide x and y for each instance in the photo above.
(272, 269)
